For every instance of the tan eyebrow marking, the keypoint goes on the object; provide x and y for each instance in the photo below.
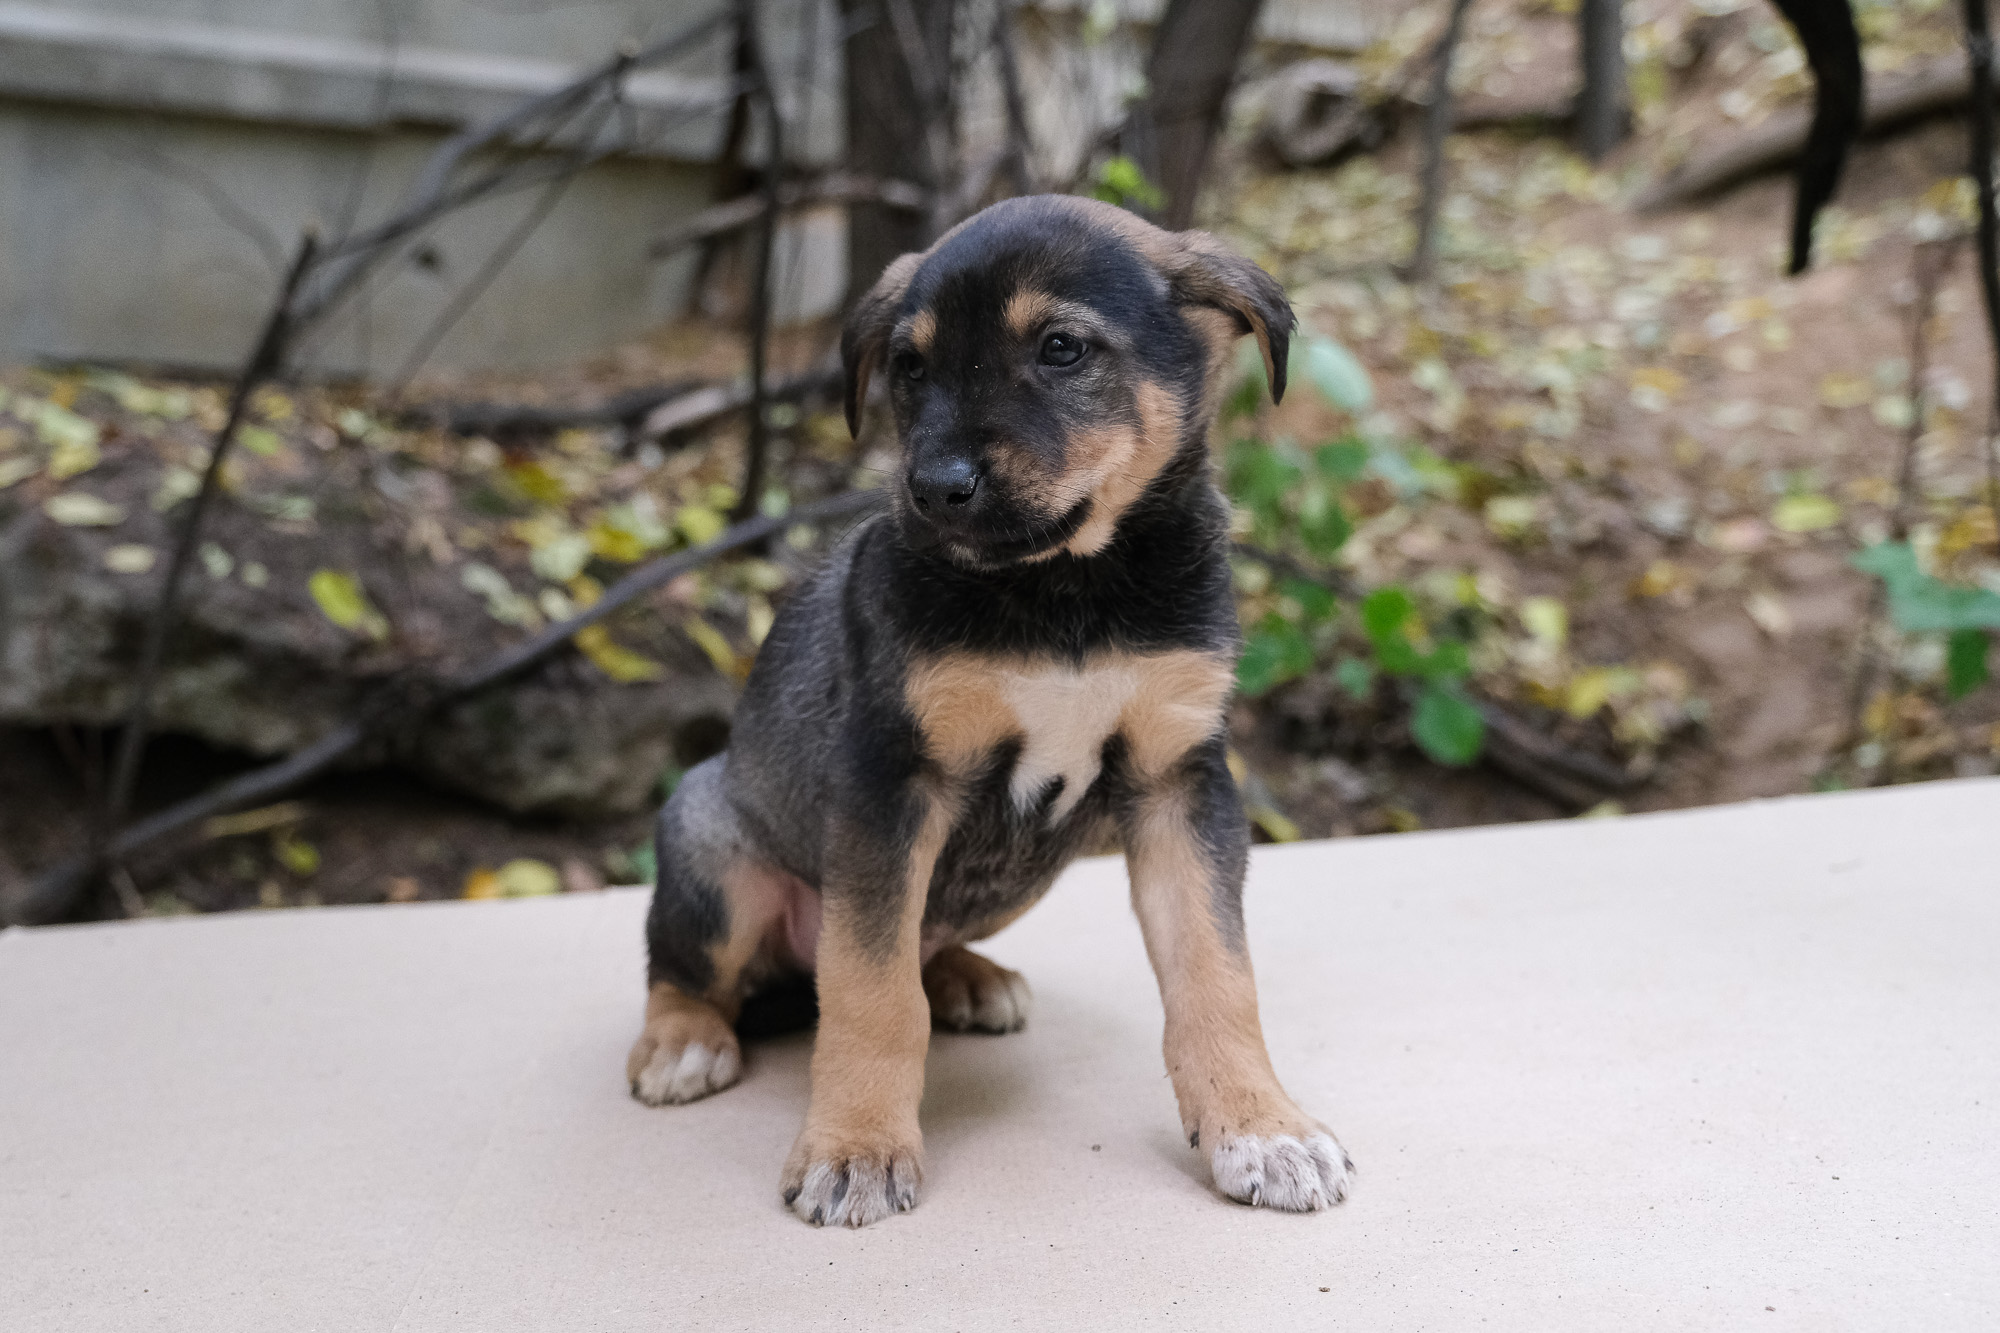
(923, 330)
(1026, 310)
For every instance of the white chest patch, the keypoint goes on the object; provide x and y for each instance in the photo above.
(1064, 718)
(1163, 704)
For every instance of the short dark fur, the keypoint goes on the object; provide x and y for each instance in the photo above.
(830, 774)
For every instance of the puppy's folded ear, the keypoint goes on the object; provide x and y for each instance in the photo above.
(864, 339)
(1203, 271)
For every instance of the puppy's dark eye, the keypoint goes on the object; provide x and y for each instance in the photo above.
(909, 365)
(1061, 349)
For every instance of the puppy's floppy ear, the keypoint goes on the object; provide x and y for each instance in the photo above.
(865, 337)
(1203, 271)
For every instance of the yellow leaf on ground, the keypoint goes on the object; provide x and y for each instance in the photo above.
(538, 483)
(1667, 383)
(1805, 513)
(1661, 577)
(1402, 820)
(176, 484)
(1275, 825)
(1769, 614)
(1973, 528)
(614, 544)
(73, 458)
(58, 426)
(78, 509)
(130, 558)
(481, 883)
(528, 878)
(261, 441)
(295, 853)
(1843, 389)
(711, 642)
(1513, 515)
(700, 524)
(1591, 689)
(614, 659)
(342, 600)
(1547, 619)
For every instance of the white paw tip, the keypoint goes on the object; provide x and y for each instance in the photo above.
(1296, 1174)
(670, 1079)
(1004, 1008)
(855, 1193)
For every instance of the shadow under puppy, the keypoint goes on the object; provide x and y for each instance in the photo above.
(1029, 656)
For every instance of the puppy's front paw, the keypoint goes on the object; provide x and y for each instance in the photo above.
(969, 993)
(852, 1188)
(685, 1052)
(1299, 1173)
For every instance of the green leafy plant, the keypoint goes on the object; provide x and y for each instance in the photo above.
(1921, 603)
(1295, 498)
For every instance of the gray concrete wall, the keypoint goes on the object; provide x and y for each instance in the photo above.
(159, 157)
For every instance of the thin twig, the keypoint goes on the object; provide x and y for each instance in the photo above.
(1979, 54)
(757, 445)
(510, 245)
(1777, 141)
(1019, 139)
(703, 407)
(54, 893)
(1929, 263)
(516, 420)
(837, 187)
(266, 360)
(933, 89)
(1437, 124)
(1332, 580)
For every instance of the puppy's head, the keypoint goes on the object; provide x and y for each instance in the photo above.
(1045, 361)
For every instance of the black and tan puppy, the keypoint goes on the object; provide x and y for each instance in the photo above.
(1028, 658)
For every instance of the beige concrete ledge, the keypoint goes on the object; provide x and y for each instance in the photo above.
(1729, 1069)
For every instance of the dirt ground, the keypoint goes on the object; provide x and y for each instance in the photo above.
(1655, 452)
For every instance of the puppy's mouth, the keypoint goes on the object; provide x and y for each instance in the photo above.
(1002, 545)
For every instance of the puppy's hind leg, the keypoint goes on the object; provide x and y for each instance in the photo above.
(715, 907)
(970, 992)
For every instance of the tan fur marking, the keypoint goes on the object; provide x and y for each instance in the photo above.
(874, 1026)
(923, 331)
(958, 705)
(1026, 310)
(1127, 468)
(1214, 1043)
(1178, 706)
(1164, 704)
(675, 1019)
(1190, 257)
(1218, 332)
(969, 992)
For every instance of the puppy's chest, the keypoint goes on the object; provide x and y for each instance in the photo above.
(1060, 715)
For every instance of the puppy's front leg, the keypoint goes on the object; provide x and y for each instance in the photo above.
(860, 1156)
(1186, 848)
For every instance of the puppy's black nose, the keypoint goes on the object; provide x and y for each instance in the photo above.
(944, 487)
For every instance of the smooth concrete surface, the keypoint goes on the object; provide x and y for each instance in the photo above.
(1728, 1069)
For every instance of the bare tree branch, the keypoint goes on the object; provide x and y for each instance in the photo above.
(837, 187)
(1437, 124)
(266, 360)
